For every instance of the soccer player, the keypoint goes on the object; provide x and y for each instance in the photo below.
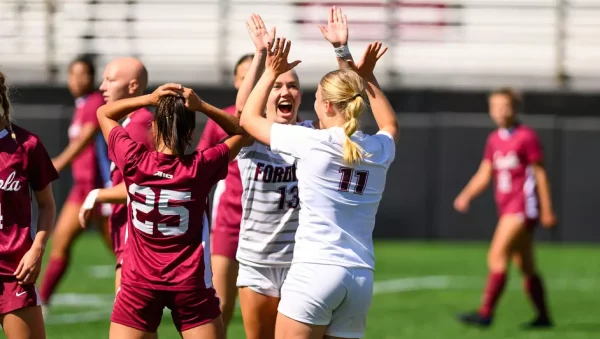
(514, 158)
(341, 173)
(123, 78)
(167, 258)
(24, 166)
(86, 169)
(226, 211)
(270, 199)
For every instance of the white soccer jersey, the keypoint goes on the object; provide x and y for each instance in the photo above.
(338, 202)
(270, 205)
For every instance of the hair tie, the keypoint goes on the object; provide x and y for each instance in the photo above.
(356, 96)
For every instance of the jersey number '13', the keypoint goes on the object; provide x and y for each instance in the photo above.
(165, 198)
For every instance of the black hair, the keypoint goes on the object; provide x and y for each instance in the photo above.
(241, 60)
(174, 124)
(5, 104)
(88, 61)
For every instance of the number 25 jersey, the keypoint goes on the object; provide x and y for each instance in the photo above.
(168, 233)
(511, 153)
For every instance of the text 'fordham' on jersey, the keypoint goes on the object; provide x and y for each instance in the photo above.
(270, 173)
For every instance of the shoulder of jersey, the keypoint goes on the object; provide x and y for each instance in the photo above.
(306, 123)
(24, 136)
(97, 97)
(144, 114)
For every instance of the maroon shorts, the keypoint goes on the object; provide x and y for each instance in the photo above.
(142, 308)
(224, 241)
(14, 296)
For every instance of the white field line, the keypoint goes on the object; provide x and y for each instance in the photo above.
(101, 304)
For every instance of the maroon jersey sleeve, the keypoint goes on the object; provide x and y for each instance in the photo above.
(533, 148)
(216, 161)
(488, 153)
(121, 148)
(40, 170)
(88, 115)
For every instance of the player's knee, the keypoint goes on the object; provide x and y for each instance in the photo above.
(497, 260)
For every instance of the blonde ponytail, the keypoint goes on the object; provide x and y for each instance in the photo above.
(353, 153)
(345, 89)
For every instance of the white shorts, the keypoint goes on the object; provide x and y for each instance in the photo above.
(328, 295)
(264, 280)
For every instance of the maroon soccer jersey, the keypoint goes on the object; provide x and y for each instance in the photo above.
(512, 152)
(227, 210)
(24, 165)
(168, 243)
(137, 126)
(85, 165)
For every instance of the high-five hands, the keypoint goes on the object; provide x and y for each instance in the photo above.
(277, 57)
(336, 31)
(259, 33)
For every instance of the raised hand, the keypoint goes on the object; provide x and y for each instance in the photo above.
(336, 31)
(372, 54)
(192, 100)
(259, 33)
(164, 90)
(277, 57)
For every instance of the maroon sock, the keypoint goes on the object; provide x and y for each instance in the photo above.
(535, 290)
(55, 271)
(493, 291)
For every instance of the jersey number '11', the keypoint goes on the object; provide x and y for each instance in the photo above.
(361, 180)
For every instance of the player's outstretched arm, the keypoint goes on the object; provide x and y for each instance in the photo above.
(252, 119)
(110, 114)
(113, 195)
(478, 183)
(229, 123)
(336, 33)
(75, 146)
(261, 37)
(382, 109)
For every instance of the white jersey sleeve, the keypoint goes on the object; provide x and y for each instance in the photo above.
(294, 140)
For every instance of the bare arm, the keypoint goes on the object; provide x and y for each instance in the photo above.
(46, 216)
(479, 182)
(235, 144)
(113, 195)
(543, 190)
(30, 265)
(261, 37)
(229, 123)
(75, 147)
(252, 119)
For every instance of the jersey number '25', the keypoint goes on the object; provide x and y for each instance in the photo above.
(153, 215)
(361, 180)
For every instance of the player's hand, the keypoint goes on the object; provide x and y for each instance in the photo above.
(165, 90)
(548, 219)
(259, 33)
(85, 212)
(30, 265)
(277, 57)
(461, 204)
(372, 54)
(336, 31)
(192, 100)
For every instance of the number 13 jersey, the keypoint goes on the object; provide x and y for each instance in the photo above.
(511, 153)
(270, 206)
(168, 233)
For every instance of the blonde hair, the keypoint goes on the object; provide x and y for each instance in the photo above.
(345, 90)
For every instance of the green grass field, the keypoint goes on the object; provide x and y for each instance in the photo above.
(419, 289)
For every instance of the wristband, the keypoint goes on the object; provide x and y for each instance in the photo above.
(342, 52)
(90, 201)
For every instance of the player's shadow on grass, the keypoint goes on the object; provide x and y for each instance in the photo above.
(590, 327)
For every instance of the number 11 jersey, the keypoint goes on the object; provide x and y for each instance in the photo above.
(168, 233)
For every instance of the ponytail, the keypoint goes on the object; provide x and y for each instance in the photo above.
(353, 153)
(174, 125)
(5, 106)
